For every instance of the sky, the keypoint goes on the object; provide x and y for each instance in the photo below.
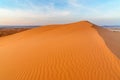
(44, 12)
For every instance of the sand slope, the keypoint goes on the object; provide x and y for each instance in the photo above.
(112, 39)
(58, 52)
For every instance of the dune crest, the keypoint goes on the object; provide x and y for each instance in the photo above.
(58, 52)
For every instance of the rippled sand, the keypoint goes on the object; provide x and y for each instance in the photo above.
(58, 52)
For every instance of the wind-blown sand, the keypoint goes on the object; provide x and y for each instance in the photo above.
(58, 52)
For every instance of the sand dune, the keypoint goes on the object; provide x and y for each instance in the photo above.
(9, 31)
(112, 39)
(58, 52)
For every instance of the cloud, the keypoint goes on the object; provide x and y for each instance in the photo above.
(19, 16)
(30, 12)
(74, 3)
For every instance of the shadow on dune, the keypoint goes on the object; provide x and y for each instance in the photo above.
(112, 39)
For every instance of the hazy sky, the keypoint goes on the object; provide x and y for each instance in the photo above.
(102, 12)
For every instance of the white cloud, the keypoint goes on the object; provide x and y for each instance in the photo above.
(74, 3)
(19, 16)
(30, 13)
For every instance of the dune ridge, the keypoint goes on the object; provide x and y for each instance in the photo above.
(58, 52)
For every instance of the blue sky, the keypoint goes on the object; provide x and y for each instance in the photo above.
(43, 12)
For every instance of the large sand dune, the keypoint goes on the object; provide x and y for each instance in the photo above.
(58, 52)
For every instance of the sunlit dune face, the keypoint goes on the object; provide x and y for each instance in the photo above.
(58, 52)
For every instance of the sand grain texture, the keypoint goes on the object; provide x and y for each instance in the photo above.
(58, 52)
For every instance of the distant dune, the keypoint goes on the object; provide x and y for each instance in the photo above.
(9, 31)
(75, 51)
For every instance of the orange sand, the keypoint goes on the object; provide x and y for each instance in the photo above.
(58, 52)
